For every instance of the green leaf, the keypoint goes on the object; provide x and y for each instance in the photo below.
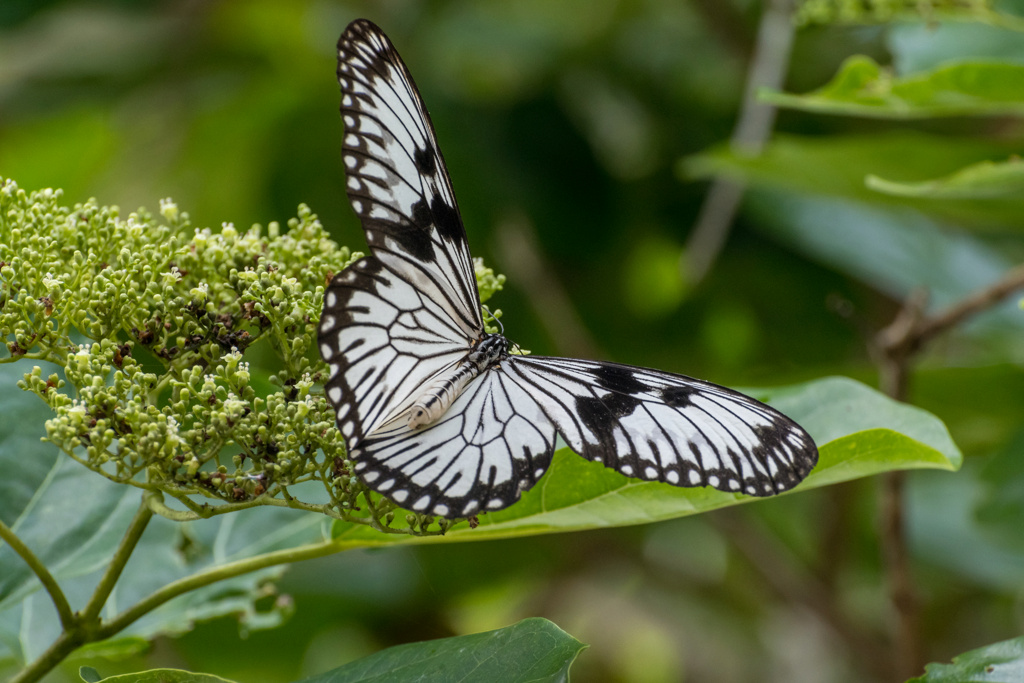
(863, 88)
(859, 432)
(160, 676)
(837, 166)
(533, 650)
(942, 513)
(73, 520)
(921, 46)
(997, 663)
(1000, 510)
(89, 674)
(24, 460)
(983, 180)
(893, 251)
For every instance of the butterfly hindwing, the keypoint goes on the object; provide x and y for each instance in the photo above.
(396, 178)
(664, 427)
(493, 443)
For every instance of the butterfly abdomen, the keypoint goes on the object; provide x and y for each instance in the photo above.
(443, 391)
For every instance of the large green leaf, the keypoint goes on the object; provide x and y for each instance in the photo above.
(942, 513)
(532, 651)
(838, 166)
(921, 46)
(154, 676)
(73, 520)
(863, 88)
(893, 251)
(997, 663)
(983, 180)
(859, 431)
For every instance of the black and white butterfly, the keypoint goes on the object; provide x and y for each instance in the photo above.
(436, 413)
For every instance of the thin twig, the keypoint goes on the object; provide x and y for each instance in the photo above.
(908, 652)
(753, 128)
(60, 601)
(973, 304)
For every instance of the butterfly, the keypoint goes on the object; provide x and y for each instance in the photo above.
(437, 414)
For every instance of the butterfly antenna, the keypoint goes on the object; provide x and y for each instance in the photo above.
(495, 319)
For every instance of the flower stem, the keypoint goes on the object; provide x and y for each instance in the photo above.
(60, 601)
(121, 555)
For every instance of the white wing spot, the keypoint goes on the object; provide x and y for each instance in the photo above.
(694, 477)
(539, 473)
(334, 393)
(371, 477)
(471, 507)
(713, 481)
(421, 504)
(400, 495)
(495, 503)
(650, 473)
(385, 485)
(627, 470)
(734, 485)
(672, 477)
(441, 510)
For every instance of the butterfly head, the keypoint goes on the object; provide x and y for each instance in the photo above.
(491, 349)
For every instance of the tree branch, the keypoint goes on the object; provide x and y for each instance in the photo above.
(895, 348)
(60, 601)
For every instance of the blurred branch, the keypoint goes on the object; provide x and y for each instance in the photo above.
(799, 587)
(521, 260)
(895, 348)
(753, 128)
(912, 329)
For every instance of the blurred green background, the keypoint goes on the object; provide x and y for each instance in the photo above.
(563, 124)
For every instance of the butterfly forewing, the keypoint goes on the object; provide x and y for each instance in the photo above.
(384, 340)
(659, 426)
(396, 178)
